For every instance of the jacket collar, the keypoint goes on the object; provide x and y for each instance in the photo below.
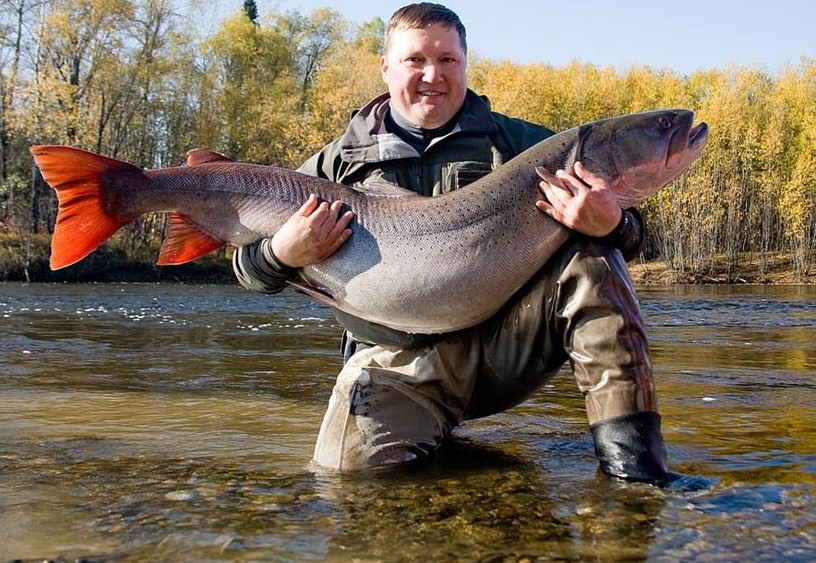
(367, 140)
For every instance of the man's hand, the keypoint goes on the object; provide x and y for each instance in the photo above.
(583, 202)
(312, 234)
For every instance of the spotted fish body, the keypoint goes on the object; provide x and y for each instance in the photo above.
(416, 264)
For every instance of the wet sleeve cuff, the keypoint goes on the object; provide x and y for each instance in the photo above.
(258, 269)
(630, 235)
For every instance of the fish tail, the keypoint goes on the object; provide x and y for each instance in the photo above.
(86, 217)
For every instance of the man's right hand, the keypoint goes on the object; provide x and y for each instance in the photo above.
(312, 234)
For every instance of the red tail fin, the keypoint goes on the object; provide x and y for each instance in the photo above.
(85, 218)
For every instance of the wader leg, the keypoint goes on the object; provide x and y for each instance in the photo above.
(581, 308)
(605, 336)
(396, 406)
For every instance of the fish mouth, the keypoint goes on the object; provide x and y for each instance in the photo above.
(686, 142)
(698, 136)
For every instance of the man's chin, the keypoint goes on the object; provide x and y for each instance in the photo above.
(431, 119)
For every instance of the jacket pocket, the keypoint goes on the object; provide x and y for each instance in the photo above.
(460, 174)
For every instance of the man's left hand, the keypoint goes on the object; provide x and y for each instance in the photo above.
(583, 201)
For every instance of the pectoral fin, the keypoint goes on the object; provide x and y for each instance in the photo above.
(317, 294)
(548, 176)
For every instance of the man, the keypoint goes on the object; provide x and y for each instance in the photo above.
(400, 395)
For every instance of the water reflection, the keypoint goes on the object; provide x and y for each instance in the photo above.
(145, 422)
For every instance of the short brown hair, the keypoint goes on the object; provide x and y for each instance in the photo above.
(424, 14)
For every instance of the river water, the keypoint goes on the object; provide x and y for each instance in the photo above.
(175, 422)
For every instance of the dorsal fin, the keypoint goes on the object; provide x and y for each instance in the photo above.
(197, 157)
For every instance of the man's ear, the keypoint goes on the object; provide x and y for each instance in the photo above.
(384, 68)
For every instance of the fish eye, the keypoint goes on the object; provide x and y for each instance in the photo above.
(665, 122)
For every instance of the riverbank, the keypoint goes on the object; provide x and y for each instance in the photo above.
(772, 269)
(28, 261)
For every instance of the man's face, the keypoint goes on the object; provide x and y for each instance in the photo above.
(425, 73)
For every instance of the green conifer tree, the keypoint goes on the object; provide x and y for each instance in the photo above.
(251, 9)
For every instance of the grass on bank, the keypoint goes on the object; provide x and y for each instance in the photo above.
(771, 269)
(26, 258)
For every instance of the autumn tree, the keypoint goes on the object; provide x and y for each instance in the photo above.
(310, 40)
(370, 36)
(797, 182)
(15, 44)
(348, 78)
(251, 73)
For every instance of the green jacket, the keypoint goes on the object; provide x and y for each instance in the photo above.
(367, 153)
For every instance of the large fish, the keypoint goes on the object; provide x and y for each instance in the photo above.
(415, 264)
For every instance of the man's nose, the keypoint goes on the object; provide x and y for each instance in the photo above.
(431, 72)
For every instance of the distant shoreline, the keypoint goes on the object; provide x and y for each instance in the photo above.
(219, 272)
(776, 270)
(106, 265)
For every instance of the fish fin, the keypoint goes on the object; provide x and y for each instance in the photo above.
(197, 157)
(548, 176)
(315, 293)
(384, 190)
(185, 241)
(82, 181)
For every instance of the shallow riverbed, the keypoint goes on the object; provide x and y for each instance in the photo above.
(172, 422)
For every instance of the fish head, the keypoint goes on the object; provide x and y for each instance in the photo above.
(640, 153)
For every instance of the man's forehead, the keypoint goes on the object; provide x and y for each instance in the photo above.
(436, 37)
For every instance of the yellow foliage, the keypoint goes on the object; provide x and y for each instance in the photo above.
(254, 91)
(277, 92)
(349, 78)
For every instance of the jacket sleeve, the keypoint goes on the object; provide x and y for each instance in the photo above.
(258, 269)
(630, 235)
